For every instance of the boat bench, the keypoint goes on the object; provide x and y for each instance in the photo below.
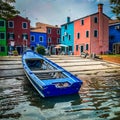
(47, 71)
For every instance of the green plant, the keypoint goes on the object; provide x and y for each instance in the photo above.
(15, 52)
(40, 50)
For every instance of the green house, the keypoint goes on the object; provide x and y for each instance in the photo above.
(3, 39)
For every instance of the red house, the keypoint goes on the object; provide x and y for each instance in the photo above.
(53, 38)
(91, 33)
(18, 32)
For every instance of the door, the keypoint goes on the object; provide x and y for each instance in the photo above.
(81, 49)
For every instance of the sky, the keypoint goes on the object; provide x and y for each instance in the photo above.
(55, 12)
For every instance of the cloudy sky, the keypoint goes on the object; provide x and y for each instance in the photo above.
(55, 12)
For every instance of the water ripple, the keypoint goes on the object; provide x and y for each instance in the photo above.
(98, 99)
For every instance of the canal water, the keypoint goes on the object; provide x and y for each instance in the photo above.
(98, 99)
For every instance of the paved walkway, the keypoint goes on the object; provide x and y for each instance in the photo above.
(83, 66)
(11, 66)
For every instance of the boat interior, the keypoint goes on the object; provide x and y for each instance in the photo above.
(44, 70)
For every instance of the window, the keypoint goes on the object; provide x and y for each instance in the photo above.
(32, 48)
(63, 38)
(65, 27)
(111, 37)
(95, 33)
(2, 49)
(58, 40)
(58, 31)
(69, 37)
(76, 47)
(2, 23)
(70, 48)
(49, 31)
(32, 38)
(82, 22)
(11, 36)
(81, 48)
(87, 34)
(87, 46)
(41, 39)
(95, 20)
(24, 25)
(25, 36)
(49, 40)
(78, 35)
(2, 35)
(10, 24)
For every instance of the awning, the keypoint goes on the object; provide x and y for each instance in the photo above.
(57, 47)
(60, 45)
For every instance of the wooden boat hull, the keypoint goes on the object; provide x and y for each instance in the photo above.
(52, 86)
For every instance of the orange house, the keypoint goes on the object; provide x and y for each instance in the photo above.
(91, 33)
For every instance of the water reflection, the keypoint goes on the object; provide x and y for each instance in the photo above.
(98, 100)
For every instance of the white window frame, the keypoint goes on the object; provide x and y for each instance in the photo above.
(9, 24)
(42, 38)
(32, 46)
(1, 48)
(24, 38)
(49, 40)
(3, 25)
(4, 36)
(10, 36)
(33, 37)
(49, 30)
(23, 25)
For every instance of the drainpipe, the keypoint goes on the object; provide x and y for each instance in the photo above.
(100, 26)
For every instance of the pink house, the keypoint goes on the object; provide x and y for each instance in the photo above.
(91, 33)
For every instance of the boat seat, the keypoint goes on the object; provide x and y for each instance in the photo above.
(47, 71)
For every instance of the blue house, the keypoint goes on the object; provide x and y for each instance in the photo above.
(36, 39)
(67, 36)
(114, 36)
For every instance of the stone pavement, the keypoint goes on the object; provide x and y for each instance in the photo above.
(11, 66)
(82, 66)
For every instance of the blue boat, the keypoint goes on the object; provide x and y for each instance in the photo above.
(48, 78)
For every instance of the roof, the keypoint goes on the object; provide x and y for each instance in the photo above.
(18, 16)
(114, 21)
(42, 27)
(85, 17)
(42, 30)
(39, 24)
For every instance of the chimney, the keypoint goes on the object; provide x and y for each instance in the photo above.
(100, 8)
(68, 19)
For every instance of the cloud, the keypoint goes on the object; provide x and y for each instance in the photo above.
(55, 12)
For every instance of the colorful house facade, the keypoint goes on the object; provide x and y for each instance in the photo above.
(36, 39)
(67, 36)
(3, 39)
(18, 32)
(53, 38)
(114, 36)
(91, 33)
(50, 36)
